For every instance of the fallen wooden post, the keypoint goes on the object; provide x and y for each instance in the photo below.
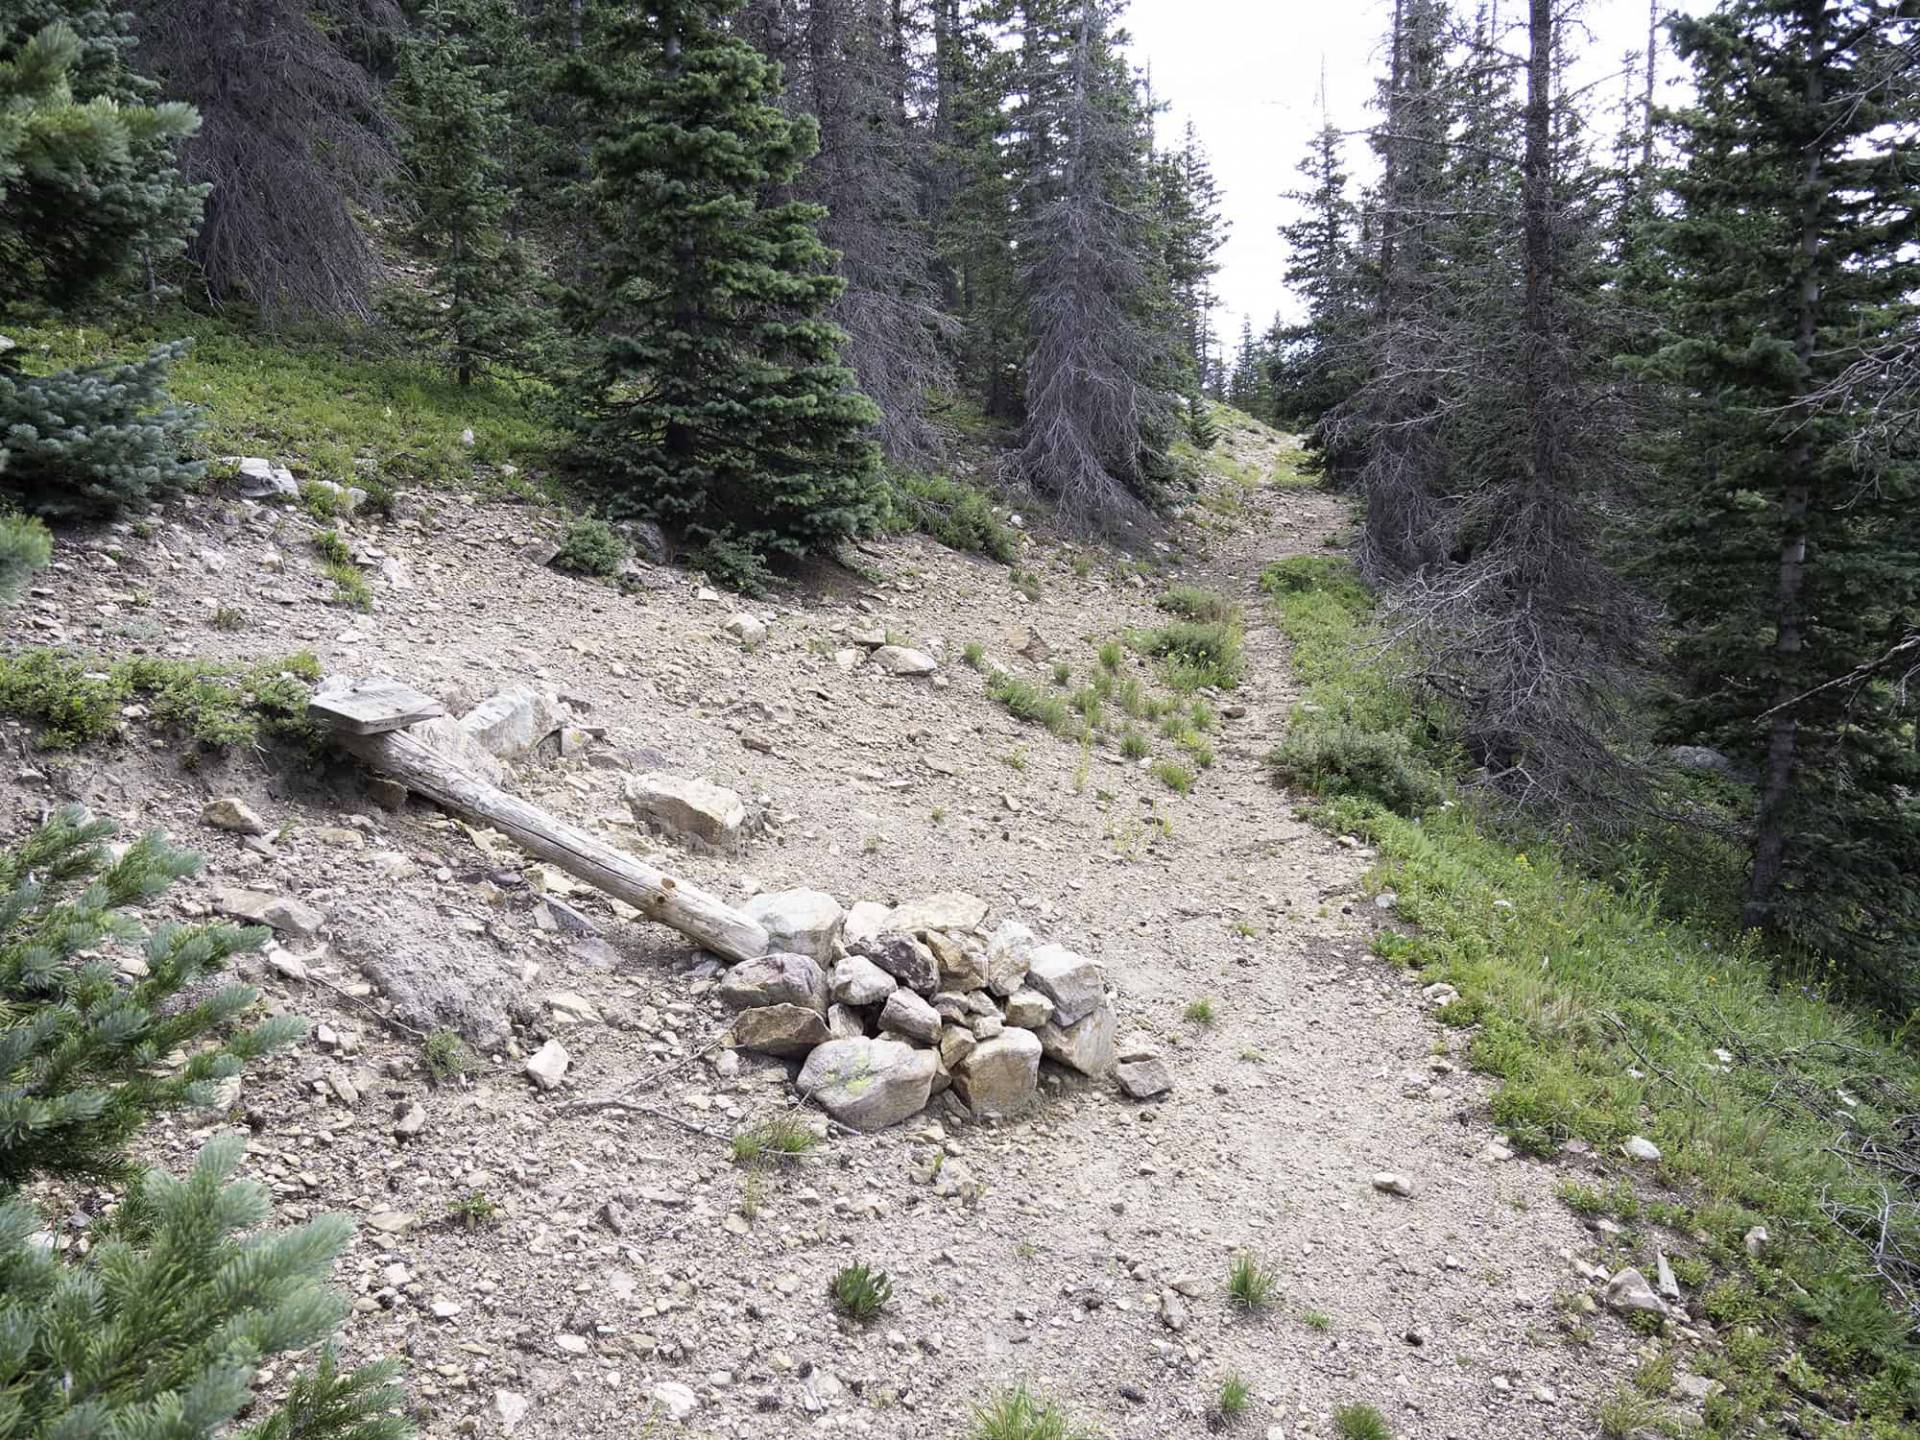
(701, 917)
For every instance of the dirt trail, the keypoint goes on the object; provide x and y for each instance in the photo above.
(631, 1252)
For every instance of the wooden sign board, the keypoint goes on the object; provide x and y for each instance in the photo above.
(373, 707)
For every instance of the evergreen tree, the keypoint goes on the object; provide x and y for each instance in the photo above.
(162, 1326)
(89, 196)
(1192, 231)
(477, 306)
(1790, 550)
(87, 199)
(718, 400)
(1317, 363)
(1100, 369)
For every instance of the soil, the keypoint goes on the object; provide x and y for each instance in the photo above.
(629, 1250)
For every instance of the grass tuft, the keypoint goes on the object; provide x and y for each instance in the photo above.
(780, 1136)
(1233, 1397)
(1361, 1422)
(1250, 1284)
(1019, 1414)
(1190, 602)
(446, 1057)
(860, 1293)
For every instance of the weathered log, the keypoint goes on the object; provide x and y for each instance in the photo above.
(699, 916)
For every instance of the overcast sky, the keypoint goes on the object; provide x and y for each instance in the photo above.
(1247, 73)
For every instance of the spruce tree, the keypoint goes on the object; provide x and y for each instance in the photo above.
(1790, 551)
(1192, 231)
(1318, 362)
(717, 399)
(1102, 372)
(477, 306)
(161, 1327)
(88, 199)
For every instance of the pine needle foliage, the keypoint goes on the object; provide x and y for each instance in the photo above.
(716, 400)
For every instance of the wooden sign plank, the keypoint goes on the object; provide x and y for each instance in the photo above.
(373, 707)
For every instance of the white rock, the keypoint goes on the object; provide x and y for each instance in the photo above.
(779, 979)
(1071, 981)
(748, 629)
(1392, 1182)
(510, 1408)
(512, 724)
(858, 981)
(1028, 1009)
(547, 1066)
(230, 812)
(899, 660)
(1629, 1291)
(262, 907)
(679, 1400)
(954, 910)
(869, 1084)
(1638, 1147)
(805, 922)
(911, 1016)
(689, 810)
(999, 1076)
(1009, 953)
(1087, 1045)
(865, 919)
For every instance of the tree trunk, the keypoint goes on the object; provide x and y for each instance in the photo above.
(1776, 794)
(686, 908)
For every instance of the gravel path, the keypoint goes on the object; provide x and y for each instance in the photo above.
(1088, 1244)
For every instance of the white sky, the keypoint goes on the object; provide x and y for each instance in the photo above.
(1247, 73)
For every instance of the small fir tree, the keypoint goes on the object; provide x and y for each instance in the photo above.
(477, 304)
(717, 397)
(163, 1325)
(88, 198)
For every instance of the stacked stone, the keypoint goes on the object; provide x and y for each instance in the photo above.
(893, 1006)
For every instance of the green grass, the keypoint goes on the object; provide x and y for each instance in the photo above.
(1250, 1284)
(1020, 1414)
(474, 1210)
(1037, 706)
(1233, 1397)
(1190, 602)
(1111, 654)
(1196, 654)
(860, 1292)
(1317, 1320)
(74, 699)
(445, 1056)
(1175, 776)
(973, 654)
(349, 585)
(1361, 1422)
(1595, 1003)
(1134, 745)
(340, 406)
(780, 1136)
(1200, 1012)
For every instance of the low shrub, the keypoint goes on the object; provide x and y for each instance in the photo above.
(217, 705)
(1336, 757)
(590, 547)
(953, 512)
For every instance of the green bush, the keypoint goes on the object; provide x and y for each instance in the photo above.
(953, 512)
(590, 547)
(1190, 602)
(1337, 757)
(217, 705)
(1197, 653)
(79, 444)
(1027, 701)
(161, 1327)
(25, 546)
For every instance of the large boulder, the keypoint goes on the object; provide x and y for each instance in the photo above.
(999, 1076)
(692, 811)
(780, 1029)
(1009, 953)
(513, 723)
(805, 922)
(865, 919)
(778, 979)
(906, 959)
(954, 910)
(869, 1084)
(442, 735)
(911, 1016)
(856, 980)
(1072, 982)
(1087, 1045)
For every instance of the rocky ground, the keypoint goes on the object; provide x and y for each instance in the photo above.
(630, 1275)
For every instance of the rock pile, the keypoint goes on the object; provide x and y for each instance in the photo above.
(894, 1006)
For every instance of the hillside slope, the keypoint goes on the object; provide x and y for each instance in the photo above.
(1084, 1247)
